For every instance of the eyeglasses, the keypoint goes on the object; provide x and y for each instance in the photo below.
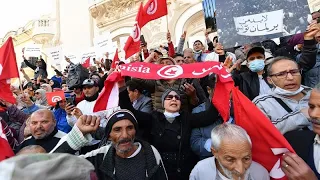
(181, 61)
(170, 97)
(284, 74)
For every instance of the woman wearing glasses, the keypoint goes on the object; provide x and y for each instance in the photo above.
(170, 131)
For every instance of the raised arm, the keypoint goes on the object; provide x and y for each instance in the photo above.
(204, 118)
(144, 119)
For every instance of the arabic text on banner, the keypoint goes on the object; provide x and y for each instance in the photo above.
(55, 54)
(260, 24)
(32, 50)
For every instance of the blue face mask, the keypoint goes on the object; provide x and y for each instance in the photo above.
(256, 65)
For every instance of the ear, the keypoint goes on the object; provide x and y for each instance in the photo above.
(270, 81)
(214, 151)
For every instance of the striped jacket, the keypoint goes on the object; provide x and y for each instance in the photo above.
(103, 158)
(284, 121)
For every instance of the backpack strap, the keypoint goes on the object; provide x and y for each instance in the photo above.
(283, 104)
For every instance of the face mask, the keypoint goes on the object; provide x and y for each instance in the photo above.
(171, 115)
(256, 65)
(284, 92)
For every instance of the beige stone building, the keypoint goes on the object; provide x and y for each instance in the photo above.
(74, 24)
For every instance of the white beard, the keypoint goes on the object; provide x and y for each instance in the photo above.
(229, 174)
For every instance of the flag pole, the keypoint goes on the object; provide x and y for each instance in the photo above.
(167, 22)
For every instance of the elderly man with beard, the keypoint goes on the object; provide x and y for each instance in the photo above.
(231, 147)
(44, 131)
(126, 158)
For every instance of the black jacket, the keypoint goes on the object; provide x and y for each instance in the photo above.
(103, 161)
(172, 140)
(48, 143)
(248, 83)
(42, 69)
(301, 141)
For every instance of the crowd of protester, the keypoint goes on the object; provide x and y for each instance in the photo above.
(169, 129)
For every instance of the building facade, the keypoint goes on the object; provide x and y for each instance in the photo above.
(74, 24)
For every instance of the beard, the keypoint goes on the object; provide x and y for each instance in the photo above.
(124, 151)
(229, 174)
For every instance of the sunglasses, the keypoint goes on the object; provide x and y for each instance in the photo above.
(170, 97)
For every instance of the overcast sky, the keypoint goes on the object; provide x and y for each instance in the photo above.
(17, 13)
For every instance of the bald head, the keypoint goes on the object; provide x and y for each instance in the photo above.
(33, 149)
(42, 123)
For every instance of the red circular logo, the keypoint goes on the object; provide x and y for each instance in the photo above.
(170, 72)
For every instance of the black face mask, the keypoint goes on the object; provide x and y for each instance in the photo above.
(92, 98)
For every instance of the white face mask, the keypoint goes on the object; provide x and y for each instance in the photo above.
(284, 92)
(171, 115)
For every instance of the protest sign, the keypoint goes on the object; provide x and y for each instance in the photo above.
(260, 24)
(32, 50)
(314, 5)
(244, 22)
(102, 43)
(89, 53)
(73, 57)
(55, 55)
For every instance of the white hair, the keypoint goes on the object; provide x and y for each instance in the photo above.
(229, 131)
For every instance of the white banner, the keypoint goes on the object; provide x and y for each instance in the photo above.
(89, 53)
(55, 55)
(73, 57)
(314, 5)
(102, 43)
(32, 50)
(260, 24)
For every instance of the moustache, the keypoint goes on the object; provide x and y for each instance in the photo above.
(122, 141)
(315, 121)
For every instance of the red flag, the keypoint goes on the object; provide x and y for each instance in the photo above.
(221, 98)
(5, 92)
(5, 149)
(154, 9)
(54, 97)
(268, 144)
(116, 60)
(132, 45)
(109, 96)
(86, 63)
(8, 62)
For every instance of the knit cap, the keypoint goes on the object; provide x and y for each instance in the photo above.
(118, 116)
(46, 166)
(166, 92)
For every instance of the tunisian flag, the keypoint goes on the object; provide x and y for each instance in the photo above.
(8, 62)
(132, 45)
(109, 96)
(154, 9)
(5, 149)
(86, 63)
(54, 97)
(268, 144)
(5, 92)
(116, 60)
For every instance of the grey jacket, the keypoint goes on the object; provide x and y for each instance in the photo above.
(207, 170)
(143, 103)
(281, 118)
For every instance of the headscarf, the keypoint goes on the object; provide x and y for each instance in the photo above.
(48, 87)
(43, 101)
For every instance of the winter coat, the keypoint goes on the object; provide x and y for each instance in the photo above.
(172, 139)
